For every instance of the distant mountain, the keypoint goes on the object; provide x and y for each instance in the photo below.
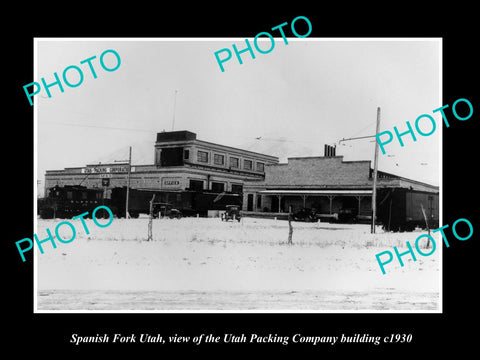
(142, 154)
(280, 147)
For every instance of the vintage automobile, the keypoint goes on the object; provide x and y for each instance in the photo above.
(232, 213)
(166, 210)
(347, 215)
(305, 214)
(174, 214)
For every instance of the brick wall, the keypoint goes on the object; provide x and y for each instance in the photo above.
(318, 171)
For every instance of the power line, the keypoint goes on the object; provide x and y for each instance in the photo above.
(101, 127)
(359, 131)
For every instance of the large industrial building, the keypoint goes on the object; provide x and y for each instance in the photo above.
(185, 169)
(330, 185)
(182, 163)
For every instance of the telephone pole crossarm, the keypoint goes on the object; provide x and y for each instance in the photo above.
(356, 138)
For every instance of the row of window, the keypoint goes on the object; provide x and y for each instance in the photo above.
(215, 186)
(218, 159)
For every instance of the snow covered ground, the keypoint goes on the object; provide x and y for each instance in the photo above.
(207, 264)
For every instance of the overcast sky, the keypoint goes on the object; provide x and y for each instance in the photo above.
(295, 99)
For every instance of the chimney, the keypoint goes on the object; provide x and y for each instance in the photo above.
(329, 150)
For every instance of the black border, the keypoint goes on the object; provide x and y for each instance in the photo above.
(432, 333)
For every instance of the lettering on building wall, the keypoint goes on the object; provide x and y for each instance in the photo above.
(171, 182)
(106, 169)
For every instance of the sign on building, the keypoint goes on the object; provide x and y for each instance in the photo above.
(106, 169)
(171, 182)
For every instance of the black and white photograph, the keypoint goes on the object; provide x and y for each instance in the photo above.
(246, 189)
(228, 179)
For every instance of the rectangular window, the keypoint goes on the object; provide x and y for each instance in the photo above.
(259, 201)
(247, 164)
(218, 187)
(69, 195)
(171, 157)
(218, 159)
(196, 185)
(202, 156)
(260, 167)
(186, 154)
(238, 189)
(234, 163)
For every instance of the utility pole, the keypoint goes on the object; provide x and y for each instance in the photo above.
(127, 214)
(375, 168)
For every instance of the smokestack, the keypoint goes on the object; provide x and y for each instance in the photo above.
(329, 150)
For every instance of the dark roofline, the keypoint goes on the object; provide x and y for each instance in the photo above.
(323, 157)
(398, 177)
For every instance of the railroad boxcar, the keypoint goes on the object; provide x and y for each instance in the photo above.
(204, 201)
(400, 209)
(69, 201)
(188, 202)
(139, 200)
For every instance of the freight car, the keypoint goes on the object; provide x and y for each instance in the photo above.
(188, 202)
(139, 201)
(69, 201)
(400, 209)
(204, 201)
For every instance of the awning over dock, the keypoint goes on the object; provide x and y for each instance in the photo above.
(317, 192)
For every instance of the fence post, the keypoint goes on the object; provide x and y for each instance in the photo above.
(426, 223)
(150, 219)
(290, 227)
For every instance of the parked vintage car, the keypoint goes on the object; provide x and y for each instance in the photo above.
(166, 210)
(232, 212)
(347, 215)
(305, 214)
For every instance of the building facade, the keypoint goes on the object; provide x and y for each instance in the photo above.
(182, 162)
(329, 184)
